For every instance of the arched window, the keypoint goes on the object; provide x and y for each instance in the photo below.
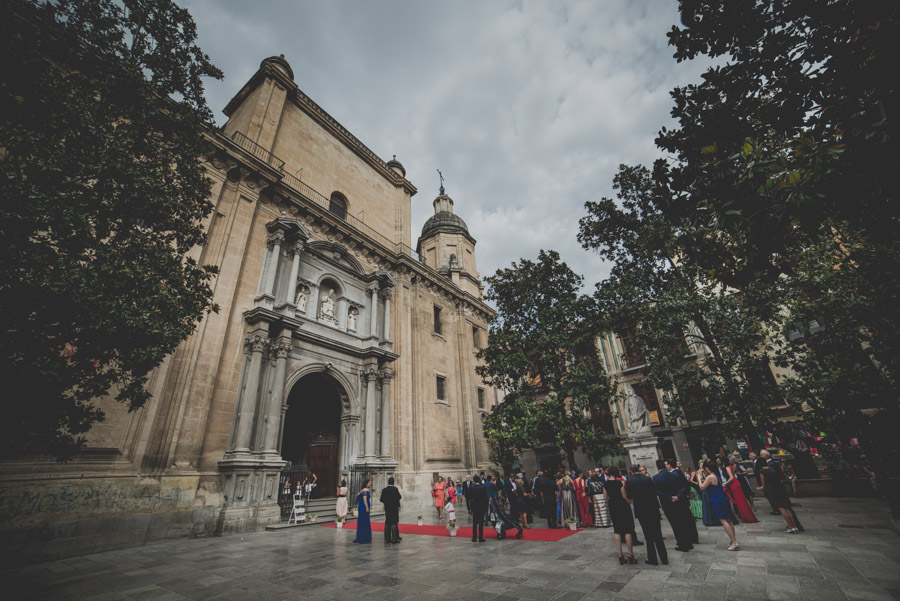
(338, 205)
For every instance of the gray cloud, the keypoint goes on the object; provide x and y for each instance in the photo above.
(527, 108)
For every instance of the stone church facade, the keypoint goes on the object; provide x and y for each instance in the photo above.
(337, 347)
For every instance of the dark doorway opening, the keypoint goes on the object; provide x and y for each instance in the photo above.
(312, 431)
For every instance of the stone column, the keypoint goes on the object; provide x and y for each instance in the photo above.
(371, 411)
(386, 295)
(373, 312)
(272, 425)
(341, 313)
(256, 344)
(312, 303)
(295, 250)
(275, 241)
(386, 375)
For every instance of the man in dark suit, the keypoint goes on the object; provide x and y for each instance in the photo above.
(390, 499)
(467, 486)
(548, 501)
(642, 492)
(536, 488)
(672, 492)
(478, 502)
(690, 523)
(759, 464)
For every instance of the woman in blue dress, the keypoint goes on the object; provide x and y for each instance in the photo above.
(363, 525)
(720, 504)
(706, 508)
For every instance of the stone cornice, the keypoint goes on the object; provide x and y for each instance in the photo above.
(329, 123)
(388, 258)
(335, 227)
(350, 141)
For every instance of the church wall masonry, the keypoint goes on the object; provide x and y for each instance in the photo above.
(302, 291)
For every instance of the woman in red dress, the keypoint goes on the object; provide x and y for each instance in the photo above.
(734, 490)
(581, 497)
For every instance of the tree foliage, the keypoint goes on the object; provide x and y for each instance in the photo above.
(784, 172)
(541, 351)
(772, 225)
(102, 130)
(701, 344)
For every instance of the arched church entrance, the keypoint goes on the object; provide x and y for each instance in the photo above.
(312, 431)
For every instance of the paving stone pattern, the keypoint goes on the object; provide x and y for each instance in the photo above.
(847, 553)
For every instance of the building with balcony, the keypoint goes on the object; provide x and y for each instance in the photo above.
(337, 349)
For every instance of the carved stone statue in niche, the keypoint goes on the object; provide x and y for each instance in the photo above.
(326, 309)
(302, 296)
(352, 319)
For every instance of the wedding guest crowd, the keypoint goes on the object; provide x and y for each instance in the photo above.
(719, 493)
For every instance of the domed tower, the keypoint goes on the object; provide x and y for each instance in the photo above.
(448, 247)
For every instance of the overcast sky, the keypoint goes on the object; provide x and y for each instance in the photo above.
(527, 108)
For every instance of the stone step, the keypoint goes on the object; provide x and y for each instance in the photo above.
(319, 520)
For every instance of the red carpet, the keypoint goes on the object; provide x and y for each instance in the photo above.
(541, 534)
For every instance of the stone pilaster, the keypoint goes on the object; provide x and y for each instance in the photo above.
(386, 294)
(373, 312)
(371, 376)
(387, 375)
(272, 419)
(256, 344)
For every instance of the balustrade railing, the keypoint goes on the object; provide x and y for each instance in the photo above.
(257, 150)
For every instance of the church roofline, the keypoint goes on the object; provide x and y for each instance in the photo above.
(309, 106)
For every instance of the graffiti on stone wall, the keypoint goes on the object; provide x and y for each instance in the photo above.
(29, 503)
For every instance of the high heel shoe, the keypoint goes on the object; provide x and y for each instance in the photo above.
(621, 560)
(631, 560)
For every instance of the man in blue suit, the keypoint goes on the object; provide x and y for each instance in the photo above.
(672, 489)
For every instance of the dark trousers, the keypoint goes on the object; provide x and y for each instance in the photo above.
(468, 506)
(690, 523)
(391, 526)
(680, 529)
(550, 513)
(478, 525)
(653, 536)
(771, 504)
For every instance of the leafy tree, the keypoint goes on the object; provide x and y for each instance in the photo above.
(101, 128)
(542, 352)
(784, 171)
(700, 341)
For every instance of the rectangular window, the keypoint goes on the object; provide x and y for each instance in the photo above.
(441, 388)
(633, 357)
(475, 338)
(481, 398)
(437, 319)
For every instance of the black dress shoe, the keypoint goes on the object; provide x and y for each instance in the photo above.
(652, 563)
(638, 543)
(474, 540)
(683, 549)
(665, 562)
(481, 540)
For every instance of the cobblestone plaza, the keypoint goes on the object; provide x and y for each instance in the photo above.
(848, 552)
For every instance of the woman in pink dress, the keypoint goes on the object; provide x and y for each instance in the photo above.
(439, 492)
(734, 490)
